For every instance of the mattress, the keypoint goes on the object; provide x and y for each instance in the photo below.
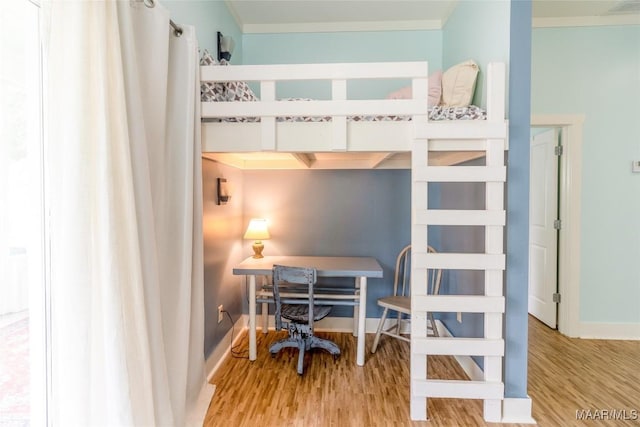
(437, 113)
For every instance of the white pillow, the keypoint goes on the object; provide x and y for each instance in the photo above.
(459, 84)
(435, 90)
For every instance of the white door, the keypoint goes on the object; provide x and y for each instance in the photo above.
(543, 236)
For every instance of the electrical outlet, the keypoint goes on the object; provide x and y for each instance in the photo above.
(459, 317)
(220, 313)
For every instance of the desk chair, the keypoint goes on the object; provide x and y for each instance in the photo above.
(400, 301)
(297, 314)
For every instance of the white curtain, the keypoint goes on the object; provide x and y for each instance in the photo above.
(123, 139)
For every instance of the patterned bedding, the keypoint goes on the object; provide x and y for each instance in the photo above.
(440, 113)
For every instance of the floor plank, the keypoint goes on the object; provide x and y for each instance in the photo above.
(565, 375)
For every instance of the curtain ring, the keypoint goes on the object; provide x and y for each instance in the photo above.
(149, 3)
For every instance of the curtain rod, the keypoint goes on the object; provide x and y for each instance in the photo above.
(177, 30)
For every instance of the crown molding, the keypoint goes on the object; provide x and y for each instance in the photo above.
(332, 27)
(586, 21)
(234, 13)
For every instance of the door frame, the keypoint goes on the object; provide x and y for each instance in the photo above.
(570, 181)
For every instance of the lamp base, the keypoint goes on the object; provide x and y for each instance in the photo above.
(257, 249)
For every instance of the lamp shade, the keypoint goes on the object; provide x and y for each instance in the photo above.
(257, 230)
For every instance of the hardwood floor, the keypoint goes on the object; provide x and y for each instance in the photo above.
(565, 375)
(568, 375)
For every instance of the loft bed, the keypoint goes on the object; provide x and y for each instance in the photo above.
(341, 133)
(267, 133)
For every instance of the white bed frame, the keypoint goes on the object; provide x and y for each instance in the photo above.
(339, 143)
(433, 151)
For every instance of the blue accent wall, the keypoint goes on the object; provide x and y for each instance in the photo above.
(222, 226)
(334, 213)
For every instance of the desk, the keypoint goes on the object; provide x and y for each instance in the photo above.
(359, 268)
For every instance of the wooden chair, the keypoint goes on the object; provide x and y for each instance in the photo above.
(400, 301)
(298, 314)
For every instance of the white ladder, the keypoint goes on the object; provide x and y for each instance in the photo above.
(490, 137)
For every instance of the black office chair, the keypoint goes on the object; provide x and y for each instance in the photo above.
(293, 295)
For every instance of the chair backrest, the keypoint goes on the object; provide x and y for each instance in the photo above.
(286, 278)
(402, 276)
(434, 277)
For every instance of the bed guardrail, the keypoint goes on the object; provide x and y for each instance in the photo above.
(338, 108)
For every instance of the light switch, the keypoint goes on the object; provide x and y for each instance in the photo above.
(635, 166)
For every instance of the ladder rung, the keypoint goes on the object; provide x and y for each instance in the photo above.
(465, 145)
(456, 303)
(459, 389)
(472, 129)
(460, 217)
(458, 346)
(459, 145)
(461, 174)
(452, 261)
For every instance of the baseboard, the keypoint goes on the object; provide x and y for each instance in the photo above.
(333, 324)
(222, 350)
(610, 331)
(517, 411)
(196, 414)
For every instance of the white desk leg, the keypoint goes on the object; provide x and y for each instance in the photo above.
(265, 317)
(252, 318)
(362, 315)
(356, 309)
(265, 310)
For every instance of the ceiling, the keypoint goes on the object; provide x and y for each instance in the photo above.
(259, 16)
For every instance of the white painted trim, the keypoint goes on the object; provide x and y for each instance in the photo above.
(234, 13)
(458, 217)
(462, 129)
(338, 324)
(517, 410)
(197, 412)
(461, 261)
(458, 303)
(320, 71)
(458, 389)
(570, 215)
(459, 346)
(585, 21)
(610, 331)
(332, 27)
(462, 174)
(222, 350)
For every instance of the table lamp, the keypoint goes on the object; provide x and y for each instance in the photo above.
(257, 231)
